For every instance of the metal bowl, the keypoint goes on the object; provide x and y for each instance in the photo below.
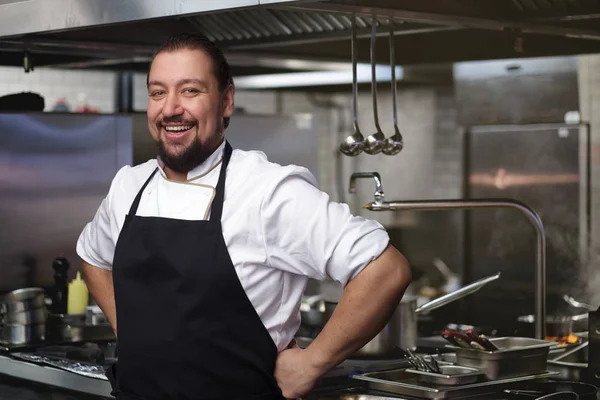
(22, 334)
(556, 325)
(28, 317)
(317, 312)
(22, 300)
(23, 294)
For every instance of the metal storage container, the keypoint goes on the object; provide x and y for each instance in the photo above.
(516, 356)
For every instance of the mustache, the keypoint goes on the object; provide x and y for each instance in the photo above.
(176, 120)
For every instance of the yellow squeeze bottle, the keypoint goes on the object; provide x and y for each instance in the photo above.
(78, 297)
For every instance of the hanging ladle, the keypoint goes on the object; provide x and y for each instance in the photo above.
(394, 144)
(353, 145)
(374, 143)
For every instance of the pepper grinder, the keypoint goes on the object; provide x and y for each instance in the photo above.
(61, 290)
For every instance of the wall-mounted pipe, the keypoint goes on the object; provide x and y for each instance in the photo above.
(432, 205)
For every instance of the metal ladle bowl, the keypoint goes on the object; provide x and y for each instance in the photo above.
(394, 144)
(353, 145)
(376, 142)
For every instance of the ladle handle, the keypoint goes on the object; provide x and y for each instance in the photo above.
(354, 76)
(457, 294)
(374, 73)
(393, 65)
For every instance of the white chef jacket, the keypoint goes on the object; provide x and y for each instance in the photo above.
(278, 227)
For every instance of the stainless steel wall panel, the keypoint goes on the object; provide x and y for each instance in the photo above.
(55, 169)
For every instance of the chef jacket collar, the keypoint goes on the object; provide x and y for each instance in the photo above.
(208, 165)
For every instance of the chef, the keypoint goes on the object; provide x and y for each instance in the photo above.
(199, 258)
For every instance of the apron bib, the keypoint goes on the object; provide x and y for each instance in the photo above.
(186, 329)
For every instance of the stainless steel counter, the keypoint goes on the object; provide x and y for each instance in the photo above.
(58, 378)
(21, 380)
(50, 376)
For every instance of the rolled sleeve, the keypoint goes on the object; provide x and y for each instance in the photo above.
(307, 234)
(95, 245)
(363, 241)
(97, 241)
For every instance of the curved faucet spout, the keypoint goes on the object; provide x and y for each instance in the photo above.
(379, 195)
(533, 218)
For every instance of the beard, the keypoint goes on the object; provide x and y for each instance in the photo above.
(187, 157)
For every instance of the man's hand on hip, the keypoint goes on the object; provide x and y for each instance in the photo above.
(295, 373)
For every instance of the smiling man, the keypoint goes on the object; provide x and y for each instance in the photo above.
(199, 258)
(188, 127)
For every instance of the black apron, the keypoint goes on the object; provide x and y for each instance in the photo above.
(186, 329)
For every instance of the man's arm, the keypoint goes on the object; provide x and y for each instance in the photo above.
(100, 284)
(367, 303)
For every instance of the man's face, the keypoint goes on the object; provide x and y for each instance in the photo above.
(186, 108)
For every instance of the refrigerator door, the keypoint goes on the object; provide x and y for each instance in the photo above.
(545, 166)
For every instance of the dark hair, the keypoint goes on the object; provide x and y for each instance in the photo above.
(195, 41)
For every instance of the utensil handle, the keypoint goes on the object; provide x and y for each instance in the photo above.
(450, 339)
(481, 340)
(393, 67)
(374, 73)
(460, 338)
(458, 294)
(573, 350)
(354, 76)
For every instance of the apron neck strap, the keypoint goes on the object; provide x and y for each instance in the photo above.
(136, 202)
(217, 204)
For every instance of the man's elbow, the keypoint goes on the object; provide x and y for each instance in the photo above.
(87, 271)
(391, 271)
(401, 269)
(91, 273)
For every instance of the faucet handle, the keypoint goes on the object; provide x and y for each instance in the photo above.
(379, 195)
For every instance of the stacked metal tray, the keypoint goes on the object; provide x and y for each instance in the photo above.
(474, 372)
(516, 356)
(401, 382)
(448, 375)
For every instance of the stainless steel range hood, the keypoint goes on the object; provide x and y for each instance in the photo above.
(261, 36)
(60, 15)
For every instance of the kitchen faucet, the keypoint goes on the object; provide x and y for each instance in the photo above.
(428, 205)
